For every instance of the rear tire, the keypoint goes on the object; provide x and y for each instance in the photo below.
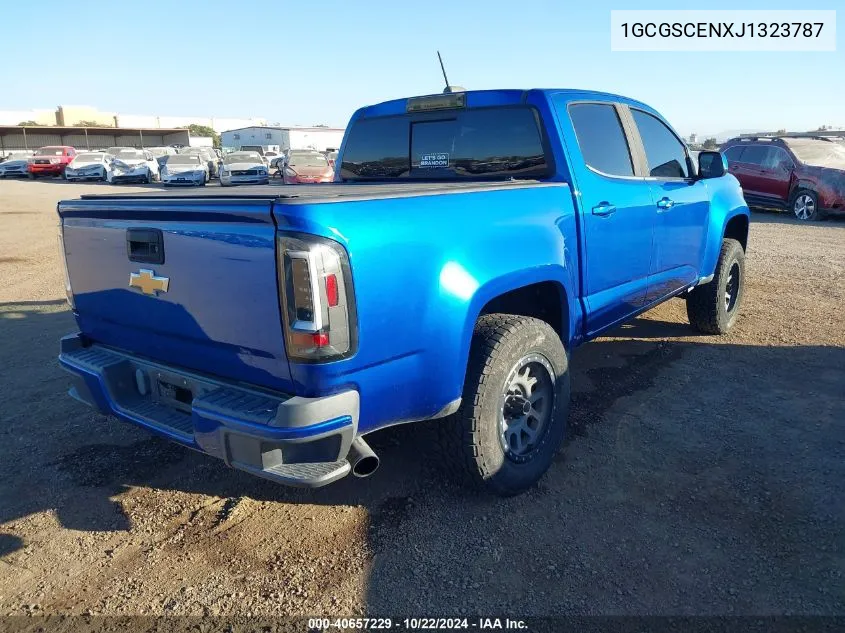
(805, 205)
(712, 308)
(508, 429)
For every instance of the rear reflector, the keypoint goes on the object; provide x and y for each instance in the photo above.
(305, 340)
(331, 290)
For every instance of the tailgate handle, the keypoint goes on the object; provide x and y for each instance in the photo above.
(145, 246)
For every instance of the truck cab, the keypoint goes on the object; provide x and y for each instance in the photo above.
(469, 243)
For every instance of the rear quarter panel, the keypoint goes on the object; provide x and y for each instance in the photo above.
(423, 268)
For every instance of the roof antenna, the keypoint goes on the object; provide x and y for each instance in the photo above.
(449, 89)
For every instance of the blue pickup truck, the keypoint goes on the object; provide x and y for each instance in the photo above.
(470, 241)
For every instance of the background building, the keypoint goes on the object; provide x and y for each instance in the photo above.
(280, 139)
(79, 115)
(15, 138)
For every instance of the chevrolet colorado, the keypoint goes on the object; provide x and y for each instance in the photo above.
(469, 242)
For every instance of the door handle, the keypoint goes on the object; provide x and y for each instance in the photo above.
(664, 204)
(604, 209)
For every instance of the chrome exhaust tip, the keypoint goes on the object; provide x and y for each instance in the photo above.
(361, 457)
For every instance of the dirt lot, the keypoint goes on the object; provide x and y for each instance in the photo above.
(701, 476)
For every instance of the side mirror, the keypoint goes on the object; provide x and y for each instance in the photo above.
(712, 165)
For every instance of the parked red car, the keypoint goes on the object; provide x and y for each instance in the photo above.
(801, 174)
(50, 161)
(306, 166)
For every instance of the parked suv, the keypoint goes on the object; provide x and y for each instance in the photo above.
(805, 175)
(50, 161)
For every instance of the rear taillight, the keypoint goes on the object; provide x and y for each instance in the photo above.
(317, 301)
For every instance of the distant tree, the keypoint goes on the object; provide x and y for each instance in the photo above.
(85, 123)
(205, 130)
(710, 143)
(31, 123)
(822, 128)
(781, 131)
(320, 125)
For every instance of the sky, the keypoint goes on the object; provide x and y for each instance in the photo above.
(315, 62)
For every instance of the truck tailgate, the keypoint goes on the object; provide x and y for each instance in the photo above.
(211, 305)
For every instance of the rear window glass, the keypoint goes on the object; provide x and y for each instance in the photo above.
(601, 138)
(503, 142)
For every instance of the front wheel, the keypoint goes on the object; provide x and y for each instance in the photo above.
(713, 307)
(514, 407)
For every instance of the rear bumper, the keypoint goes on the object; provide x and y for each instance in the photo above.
(291, 440)
(184, 181)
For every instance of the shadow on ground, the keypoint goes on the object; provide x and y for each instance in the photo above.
(697, 472)
(775, 216)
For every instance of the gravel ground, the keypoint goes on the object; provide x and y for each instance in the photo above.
(701, 475)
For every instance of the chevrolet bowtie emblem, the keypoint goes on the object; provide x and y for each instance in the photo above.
(147, 282)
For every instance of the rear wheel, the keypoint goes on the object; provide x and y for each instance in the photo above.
(805, 205)
(713, 307)
(514, 408)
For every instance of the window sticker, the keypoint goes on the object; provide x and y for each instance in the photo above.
(438, 159)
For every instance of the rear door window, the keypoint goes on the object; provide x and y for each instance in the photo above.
(665, 153)
(601, 138)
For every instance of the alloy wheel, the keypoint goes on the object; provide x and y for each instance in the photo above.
(526, 407)
(804, 207)
(732, 288)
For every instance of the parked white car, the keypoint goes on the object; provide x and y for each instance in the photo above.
(161, 154)
(185, 169)
(14, 165)
(89, 166)
(240, 168)
(208, 154)
(136, 165)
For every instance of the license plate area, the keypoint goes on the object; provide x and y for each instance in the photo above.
(174, 390)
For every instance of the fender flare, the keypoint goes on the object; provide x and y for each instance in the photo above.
(515, 280)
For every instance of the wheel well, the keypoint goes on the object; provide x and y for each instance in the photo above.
(545, 300)
(737, 229)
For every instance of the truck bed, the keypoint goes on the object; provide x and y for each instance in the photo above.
(292, 194)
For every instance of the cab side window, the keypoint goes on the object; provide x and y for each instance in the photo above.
(601, 138)
(666, 155)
